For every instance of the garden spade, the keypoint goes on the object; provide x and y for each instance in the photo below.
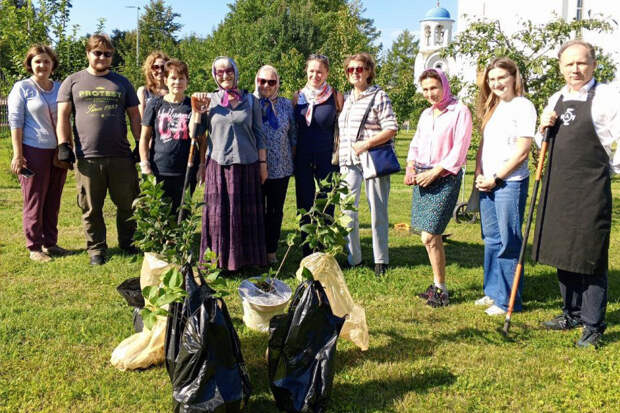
(196, 103)
(519, 268)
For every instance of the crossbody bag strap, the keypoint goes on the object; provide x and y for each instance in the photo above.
(365, 117)
(49, 109)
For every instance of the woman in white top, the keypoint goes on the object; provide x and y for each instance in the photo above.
(32, 118)
(508, 124)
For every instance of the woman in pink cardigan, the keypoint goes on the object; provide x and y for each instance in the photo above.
(436, 154)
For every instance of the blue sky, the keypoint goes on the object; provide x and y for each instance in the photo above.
(201, 16)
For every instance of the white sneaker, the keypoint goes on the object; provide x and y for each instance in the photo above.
(485, 301)
(39, 256)
(495, 310)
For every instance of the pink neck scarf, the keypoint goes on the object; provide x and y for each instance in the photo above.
(313, 97)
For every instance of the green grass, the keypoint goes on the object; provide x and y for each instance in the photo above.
(60, 322)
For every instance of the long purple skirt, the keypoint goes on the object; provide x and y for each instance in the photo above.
(232, 217)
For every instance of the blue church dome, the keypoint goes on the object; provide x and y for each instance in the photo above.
(437, 13)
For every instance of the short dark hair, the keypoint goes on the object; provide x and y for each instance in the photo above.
(367, 60)
(97, 40)
(37, 49)
(176, 65)
(578, 42)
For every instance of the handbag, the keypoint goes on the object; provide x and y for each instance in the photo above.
(379, 160)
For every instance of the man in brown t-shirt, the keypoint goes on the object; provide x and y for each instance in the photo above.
(99, 99)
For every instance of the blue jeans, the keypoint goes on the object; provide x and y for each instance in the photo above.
(501, 215)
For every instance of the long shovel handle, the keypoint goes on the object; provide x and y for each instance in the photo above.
(190, 159)
(530, 213)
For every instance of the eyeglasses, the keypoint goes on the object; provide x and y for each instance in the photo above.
(270, 82)
(220, 73)
(357, 69)
(99, 53)
(157, 67)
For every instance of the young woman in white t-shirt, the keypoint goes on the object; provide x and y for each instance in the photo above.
(508, 125)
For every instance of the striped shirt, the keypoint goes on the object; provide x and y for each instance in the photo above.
(381, 117)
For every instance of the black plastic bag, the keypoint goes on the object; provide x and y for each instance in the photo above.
(131, 292)
(203, 353)
(302, 346)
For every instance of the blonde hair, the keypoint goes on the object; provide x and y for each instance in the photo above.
(487, 100)
(150, 82)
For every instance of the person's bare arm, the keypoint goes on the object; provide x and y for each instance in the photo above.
(134, 122)
(18, 162)
(63, 128)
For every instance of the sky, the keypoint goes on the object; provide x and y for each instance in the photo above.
(202, 16)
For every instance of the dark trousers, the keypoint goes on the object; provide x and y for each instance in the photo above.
(41, 195)
(94, 178)
(585, 297)
(308, 170)
(173, 188)
(274, 195)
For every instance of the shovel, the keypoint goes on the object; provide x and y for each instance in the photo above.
(519, 269)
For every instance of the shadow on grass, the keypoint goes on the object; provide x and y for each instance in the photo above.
(372, 395)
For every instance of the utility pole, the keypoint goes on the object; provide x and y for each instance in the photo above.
(137, 33)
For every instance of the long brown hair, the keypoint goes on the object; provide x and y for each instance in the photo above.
(151, 83)
(487, 100)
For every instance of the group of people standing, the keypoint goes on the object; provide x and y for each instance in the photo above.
(257, 141)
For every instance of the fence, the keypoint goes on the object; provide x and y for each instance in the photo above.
(4, 118)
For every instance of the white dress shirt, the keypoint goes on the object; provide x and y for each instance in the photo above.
(605, 116)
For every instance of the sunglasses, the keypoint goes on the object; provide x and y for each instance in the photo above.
(320, 57)
(157, 67)
(358, 69)
(270, 82)
(99, 53)
(221, 72)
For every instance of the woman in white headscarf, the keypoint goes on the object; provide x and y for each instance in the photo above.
(235, 167)
(281, 136)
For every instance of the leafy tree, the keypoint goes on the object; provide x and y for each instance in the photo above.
(533, 50)
(397, 78)
(283, 33)
(158, 30)
(23, 24)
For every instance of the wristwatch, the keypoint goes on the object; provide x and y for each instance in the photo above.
(499, 182)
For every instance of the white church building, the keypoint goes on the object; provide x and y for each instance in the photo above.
(437, 29)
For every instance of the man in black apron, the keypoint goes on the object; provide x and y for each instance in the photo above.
(574, 213)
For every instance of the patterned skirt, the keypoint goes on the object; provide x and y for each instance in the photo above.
(432, 207)
(232, 217)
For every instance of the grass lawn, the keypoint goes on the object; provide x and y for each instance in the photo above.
(59, 323)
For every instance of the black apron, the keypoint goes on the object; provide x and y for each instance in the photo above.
(573, 221)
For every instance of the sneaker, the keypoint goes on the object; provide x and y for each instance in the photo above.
(55, 251)
(590, 338)
(39, 256)
(426, 294)
(484, 301)
(562, 322)
(438, 298)
(495, 310)
(97, 260)
(380, 270)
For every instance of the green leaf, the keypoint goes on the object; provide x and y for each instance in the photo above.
(307, 274)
